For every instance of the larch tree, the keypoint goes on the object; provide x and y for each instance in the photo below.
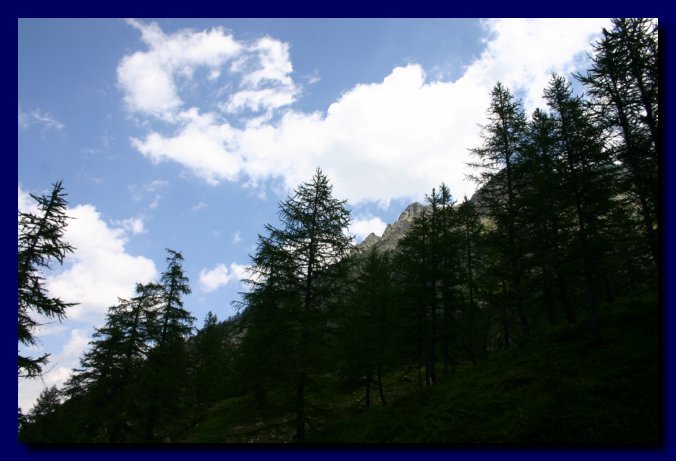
(588, 177)
(623, 87)
(166, 369)
(468, 223)
(308, 246)
(41, 243)
(496, 161)
(366, 322)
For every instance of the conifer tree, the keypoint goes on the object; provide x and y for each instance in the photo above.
(414, 270)
(497, 165)
(107, 379)
(308, 247)
(42, 423)
(588, 175)
(548, 214)
(166, 369)
(623, 86)
(210, 361)
(268, 314)
(366, 330)
(40, 245)
(471, 229)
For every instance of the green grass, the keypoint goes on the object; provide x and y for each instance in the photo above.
(560, 389)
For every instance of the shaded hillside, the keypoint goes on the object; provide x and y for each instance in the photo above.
(557, 390)
(560, 390)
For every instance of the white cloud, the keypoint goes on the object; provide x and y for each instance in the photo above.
(58, 370)
(47, 120)
(200, 143)
(396, 138)
(236, 238)
(24, 121)
(267, 82)
(155, 203)
(522, 53)
(100, 270)
(149, 78)
(221, 275)
(133, 225)
(363, 226)
(26, 202)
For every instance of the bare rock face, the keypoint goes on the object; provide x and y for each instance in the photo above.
(393, 232)
(369, 241)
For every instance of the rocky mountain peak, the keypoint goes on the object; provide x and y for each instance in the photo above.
(412, 211)
(393, 232)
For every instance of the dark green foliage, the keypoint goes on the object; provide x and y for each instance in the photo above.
(587, 173)
(527, 314)
(211, 361)
(498, 160)
(471, 234)
(297, 269)
(40, 244)
(42, 424)
(366, 324)
(165, 371)
(556, 391)
(623, 87)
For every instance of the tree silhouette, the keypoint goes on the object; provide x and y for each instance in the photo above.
(40, 244)
(300, 258)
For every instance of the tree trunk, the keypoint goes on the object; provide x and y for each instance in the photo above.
(380, 385)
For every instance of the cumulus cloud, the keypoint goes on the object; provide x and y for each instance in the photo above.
(361, 227)
(396, 138)
(221, 275)
(59, 369)
(266, 83)
(151, 79)
(100, 270)
(522, 53)
(148, 78)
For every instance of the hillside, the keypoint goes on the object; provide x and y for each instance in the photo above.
(558, 390)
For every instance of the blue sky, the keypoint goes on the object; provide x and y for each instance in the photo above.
(186, 134)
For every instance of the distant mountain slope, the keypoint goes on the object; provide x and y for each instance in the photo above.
(393, 232)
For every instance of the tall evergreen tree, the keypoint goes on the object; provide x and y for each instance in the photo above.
(310, 244)
(497, 162)
(267, 320)
(42, 423)
(166, 370)
(588, 175)
(40, 244)
(366, 322)
(623, 85)
(417, 290)
(108, 376)
(471, 229)
(211, 358)
(548, 216)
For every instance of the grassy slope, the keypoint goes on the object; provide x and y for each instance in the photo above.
(559, 389)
